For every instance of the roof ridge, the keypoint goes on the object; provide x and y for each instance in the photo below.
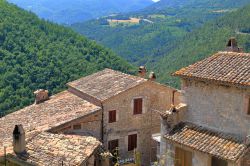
(117, 71)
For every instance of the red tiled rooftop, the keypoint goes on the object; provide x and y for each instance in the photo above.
(106, 83)
(223, 67)
(53, 149)
(59, 109)
(198, 138)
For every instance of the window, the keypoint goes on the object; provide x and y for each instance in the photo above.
(132, 142)
(138, 106)
(182, 157)
(77, 126)
(217, 161)
(247, 104)
(112, 145)
(112, 116)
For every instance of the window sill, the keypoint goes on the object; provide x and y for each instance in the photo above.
(112, 122)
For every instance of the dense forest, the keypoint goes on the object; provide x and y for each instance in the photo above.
(160, 25)
(72, 11)
(38, 54)
(204, 42)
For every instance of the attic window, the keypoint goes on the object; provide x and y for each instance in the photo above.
(77, 126)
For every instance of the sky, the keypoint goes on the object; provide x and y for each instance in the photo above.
(155, 0)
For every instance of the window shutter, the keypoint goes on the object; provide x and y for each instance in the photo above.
(135, 107)
(132, 142)
(138, 106)
(112, 116)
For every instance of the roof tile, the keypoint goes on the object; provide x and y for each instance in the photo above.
(218, 144)
(53, 149)
(106, 83)
(60, 109)
(225, 67)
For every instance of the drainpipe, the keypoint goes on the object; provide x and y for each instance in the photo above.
(173, 95)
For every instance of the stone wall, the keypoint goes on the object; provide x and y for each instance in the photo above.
(246, 159)
(90, 125)
(216, 106)
(155, 97)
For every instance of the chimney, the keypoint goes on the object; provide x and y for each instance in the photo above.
(232, 46)
(142, 71)
(41, 95)
(152, 76)
(19, 144)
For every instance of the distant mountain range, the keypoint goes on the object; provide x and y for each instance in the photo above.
(198, 3)
(72, 11)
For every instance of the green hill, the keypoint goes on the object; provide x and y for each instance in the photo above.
(159, 26)
(38, 54)
(204, 42)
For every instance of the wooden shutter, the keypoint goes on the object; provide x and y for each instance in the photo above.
(112, 116)
(132, 142)
(112, 145)
(138, 106)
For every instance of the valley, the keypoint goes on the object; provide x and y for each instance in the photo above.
(160, 24)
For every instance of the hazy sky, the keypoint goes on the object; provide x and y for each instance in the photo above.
(155, 0)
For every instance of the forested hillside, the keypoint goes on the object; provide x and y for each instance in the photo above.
(204, 42)
(38, 54)
(72, 11)
(158, 26)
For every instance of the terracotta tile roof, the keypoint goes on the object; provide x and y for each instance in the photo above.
(224, 67)
(106, 83)
(205, 140)
(59, 109)
(51, 149)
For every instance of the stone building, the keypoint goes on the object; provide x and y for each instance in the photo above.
(108, 106)
(127, 104)
(212, 128)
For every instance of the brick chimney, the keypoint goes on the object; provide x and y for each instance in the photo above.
(142, 71)
(232, 46)
(152, 76)
(19, 144)
(41, 95)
